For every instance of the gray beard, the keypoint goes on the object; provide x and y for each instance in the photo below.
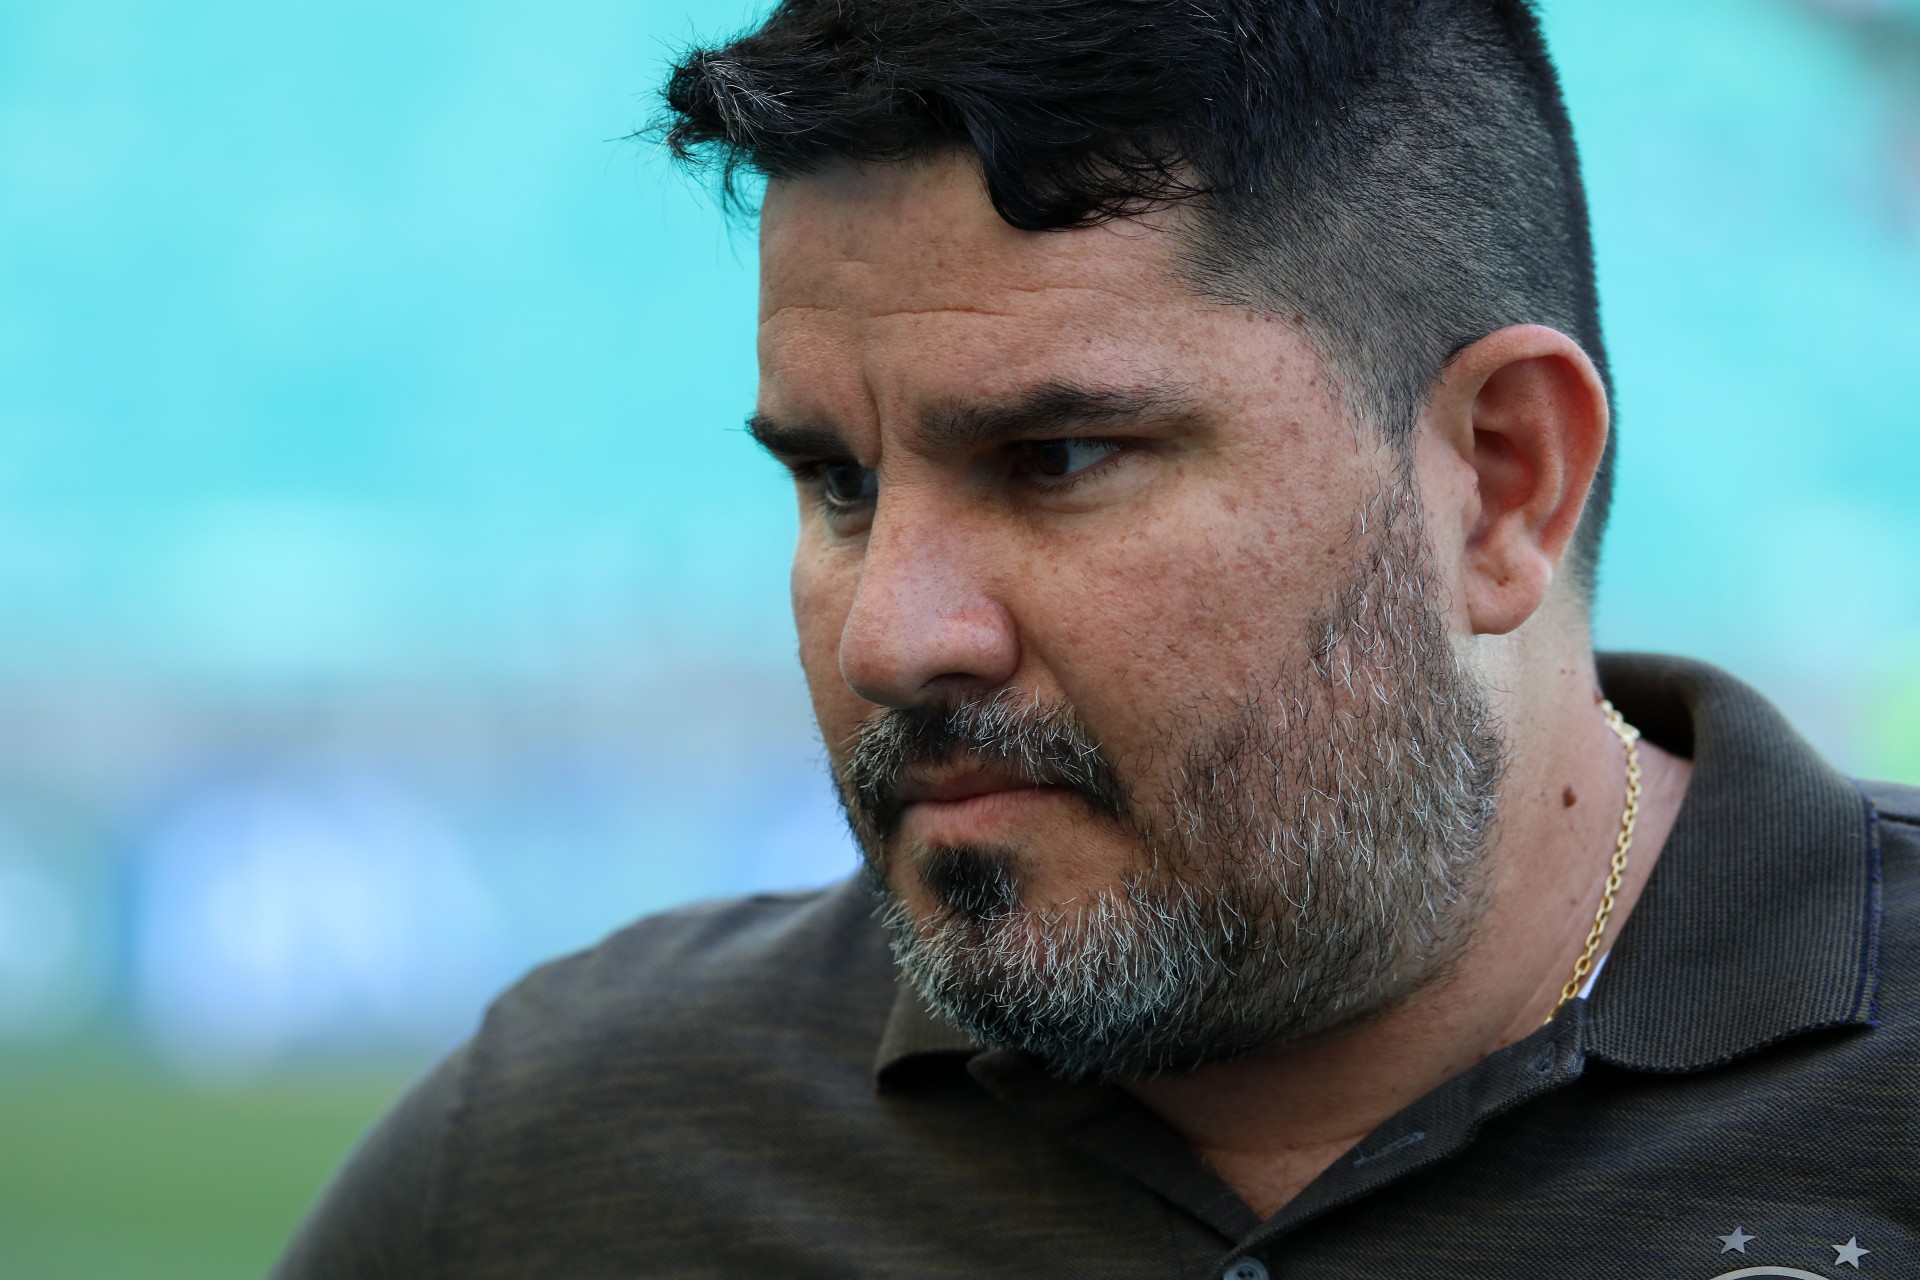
(1314, 858)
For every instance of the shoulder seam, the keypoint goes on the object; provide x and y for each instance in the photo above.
(1891, 801)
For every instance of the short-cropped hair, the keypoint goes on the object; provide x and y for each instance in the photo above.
(1397, 178)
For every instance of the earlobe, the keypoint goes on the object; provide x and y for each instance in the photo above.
(1533, 423)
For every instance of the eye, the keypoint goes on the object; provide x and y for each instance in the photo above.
(848, 484)
(1057, 458)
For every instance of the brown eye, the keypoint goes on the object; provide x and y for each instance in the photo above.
(1065, 457)
(848, 484)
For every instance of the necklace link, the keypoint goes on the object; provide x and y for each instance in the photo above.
(1622, 844)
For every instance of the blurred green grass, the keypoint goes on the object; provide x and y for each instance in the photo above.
(120, 1172)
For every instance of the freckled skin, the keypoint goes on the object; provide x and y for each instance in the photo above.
(1183, 573)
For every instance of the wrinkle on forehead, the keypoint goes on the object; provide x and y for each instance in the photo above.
(955, 308)
(886, 293)
(788, 308)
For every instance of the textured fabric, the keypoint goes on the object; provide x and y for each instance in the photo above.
(743, 1089)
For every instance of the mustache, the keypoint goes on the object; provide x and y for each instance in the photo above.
(1043, 744)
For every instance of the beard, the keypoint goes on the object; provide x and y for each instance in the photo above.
(1311, 856)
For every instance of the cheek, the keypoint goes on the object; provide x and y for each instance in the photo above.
(1181, 617)
(823, 585)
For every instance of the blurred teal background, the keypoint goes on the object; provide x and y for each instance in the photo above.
(388, 598)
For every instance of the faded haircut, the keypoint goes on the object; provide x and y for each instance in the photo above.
(1396, 178)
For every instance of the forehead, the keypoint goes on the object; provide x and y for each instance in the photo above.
(925, 234)
(887, 276)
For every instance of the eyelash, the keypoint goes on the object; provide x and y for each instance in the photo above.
(1060, 484)
(812, 474)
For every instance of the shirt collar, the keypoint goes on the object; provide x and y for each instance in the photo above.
(1760, 922)
(915, 1037)
(1762, 919)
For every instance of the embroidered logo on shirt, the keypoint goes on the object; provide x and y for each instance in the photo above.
(1737, 1240)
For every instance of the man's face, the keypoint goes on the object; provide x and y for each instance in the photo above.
(1112, 617)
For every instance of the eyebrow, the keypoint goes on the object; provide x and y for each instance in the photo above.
(1047, 409)
(794, 443)
(1051, 408)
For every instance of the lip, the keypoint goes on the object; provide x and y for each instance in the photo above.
(960, 805)
(949, 786)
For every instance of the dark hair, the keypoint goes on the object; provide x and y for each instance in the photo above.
(1396, 176)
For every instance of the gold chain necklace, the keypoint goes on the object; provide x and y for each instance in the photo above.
(1629, 742)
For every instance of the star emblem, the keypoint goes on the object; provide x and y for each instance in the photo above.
(1736, 1241)
(1849, 1254)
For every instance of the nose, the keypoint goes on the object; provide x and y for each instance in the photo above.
(925, 623)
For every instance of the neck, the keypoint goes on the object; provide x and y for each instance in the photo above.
(1270, 1122)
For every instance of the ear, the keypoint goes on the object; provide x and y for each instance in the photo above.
(1525, 411)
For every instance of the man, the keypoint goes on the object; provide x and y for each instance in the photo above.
(1199, 419)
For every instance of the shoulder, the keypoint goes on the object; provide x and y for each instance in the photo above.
(641, 1073)
(650, 1078)
(692, 981)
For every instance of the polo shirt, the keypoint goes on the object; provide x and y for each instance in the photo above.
(744, 1089)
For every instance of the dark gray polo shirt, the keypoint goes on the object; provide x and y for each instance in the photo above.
(742, 1089)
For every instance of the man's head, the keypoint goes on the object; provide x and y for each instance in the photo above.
(1144, 563)
(1395, 177)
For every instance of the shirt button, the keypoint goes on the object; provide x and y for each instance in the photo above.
(1245, 1269)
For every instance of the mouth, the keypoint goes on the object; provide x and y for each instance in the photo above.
(969, 804)
(952, 786)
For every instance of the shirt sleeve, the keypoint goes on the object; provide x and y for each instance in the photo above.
(371, 1222)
